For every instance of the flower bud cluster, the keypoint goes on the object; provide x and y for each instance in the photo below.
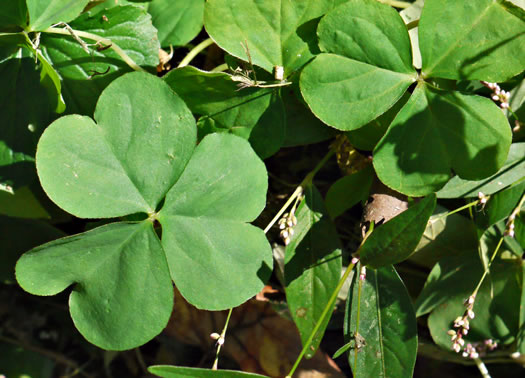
(509, 226)
(498, 94)
(286, 225)
(480, 349)
(462, 325)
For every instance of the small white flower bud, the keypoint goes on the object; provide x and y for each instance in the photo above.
(284, 233)
(470, 314)
(215, 336)
(451, 332)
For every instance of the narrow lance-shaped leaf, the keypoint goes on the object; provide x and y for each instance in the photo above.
(385, 339)
(143, 138)
(122, 294)
(204, 229)
(367, 69)
(437, 131)
(459, 40)
(312, 266)
(181, 372)
(395, 240)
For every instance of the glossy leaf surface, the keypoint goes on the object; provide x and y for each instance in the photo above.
(129, 27)
(312, 266)
(122, 294)
(466, 133)
(386, 338)
(204, 225)
(143, 138)
(395, 240)
(181, 372)
(510, 172)
(278, 33)
(470, 47)
(255, 114)
(44, 13)
(177, 22)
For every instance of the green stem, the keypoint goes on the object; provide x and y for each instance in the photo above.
(359, 287)
(195, 51)
(299, 190)
(475, 292)
(220, 68)
(396, 4)
(468, 205)
(222, 337)
(125, 57)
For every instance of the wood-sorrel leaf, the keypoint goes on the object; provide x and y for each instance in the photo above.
(122, 294)
(438, 131)
(129, 27)
(458, 39)
(177, 22)
(497, 302)
(216, 259)
(312, 267)
(255, 114)
(386, 336)
(44, 13)
(368, 68)
(395, 240)
(181, 372)
(277, 32)
(128, 160)
(512, 171)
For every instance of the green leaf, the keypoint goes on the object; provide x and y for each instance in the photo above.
(177, 22)
(278, 33)
(204, 231)
(395, 240)
(386, 340)
(348, 191)
(129, 27)
(437, 131)
(521, 330)
(367, 137)
(180, 372)
(122, 294)
(302, 127)
(445, 235)
(255, 114)
(500, 205)
(347, 94)
(44, 13)
(369, 32)
(312, 267)
(25, 111)
(13, 245)
(22, 363)
(13, 14)
(510, 172)
(496, 307)
(143, 138)
(458, 39)
(22, 204)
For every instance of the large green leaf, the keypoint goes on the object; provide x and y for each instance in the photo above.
(177, 22)
(13, 14)
(181, 372)
(312, 267)
(255, 114)
(438, 131)
(122, 294)
(394, 241)
(497, 302)
(458, 39)
(368, 69)
(25, 110)
(129, 27)
(277, 32)
(386, 337)
(348, 191)
(500, 205)
(44, 13)
(512, 171)
(13, 245)
(205, 234)
(128, 160)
